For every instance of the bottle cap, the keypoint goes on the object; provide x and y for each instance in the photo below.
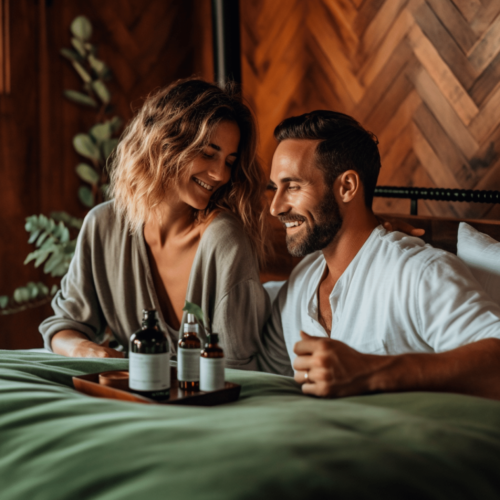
(149, 317)
(190, 325)
(213, 338)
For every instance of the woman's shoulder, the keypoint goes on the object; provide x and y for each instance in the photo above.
(226, 231)
(103, 220)
(226, 241)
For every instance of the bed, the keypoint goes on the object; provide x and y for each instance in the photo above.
(272, 443)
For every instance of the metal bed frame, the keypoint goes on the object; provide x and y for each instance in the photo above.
(415, 193)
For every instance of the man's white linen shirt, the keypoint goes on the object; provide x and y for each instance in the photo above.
(398, 295)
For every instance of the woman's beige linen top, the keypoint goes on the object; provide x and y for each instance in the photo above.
(109, 282)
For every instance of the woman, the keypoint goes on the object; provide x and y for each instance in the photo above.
(186, 223)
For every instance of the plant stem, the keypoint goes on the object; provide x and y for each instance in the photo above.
(28, 305)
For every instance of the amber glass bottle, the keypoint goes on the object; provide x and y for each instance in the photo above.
(188, 356)
(149, 353)
(212, 365)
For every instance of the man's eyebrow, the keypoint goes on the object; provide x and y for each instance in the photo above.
(290, 179)
(218, 148)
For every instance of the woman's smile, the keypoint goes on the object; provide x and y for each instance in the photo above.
(204, 185)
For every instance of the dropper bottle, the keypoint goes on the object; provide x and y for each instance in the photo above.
(212, 365)
(188, 356)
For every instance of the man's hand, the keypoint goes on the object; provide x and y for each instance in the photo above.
(330, 368)
(89, 349)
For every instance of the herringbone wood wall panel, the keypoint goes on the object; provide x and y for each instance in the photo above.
(423, 75)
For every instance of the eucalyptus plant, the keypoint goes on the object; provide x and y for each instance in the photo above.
(54, 237)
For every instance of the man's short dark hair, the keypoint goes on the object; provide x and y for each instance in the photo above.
(345, 145)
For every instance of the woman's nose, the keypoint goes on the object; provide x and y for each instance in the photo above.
(217, 170)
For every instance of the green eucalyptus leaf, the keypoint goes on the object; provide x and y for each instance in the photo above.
(102, 91)
(80, 98)
(84, 145)
(82, 72)
(101, 132)
(33, 289)
(97, 65)
(54, 260)
(53, 290)
(87, 173)
(192, 308)
(34, 236)
(80, 47)
(4, 301)
(21, 294)
(108, 147)
(42, 238)
(70, 54)
(115, 123)
(69, 220)
(81, 28)
(86, 197)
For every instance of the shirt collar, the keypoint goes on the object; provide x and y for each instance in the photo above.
(312, 303)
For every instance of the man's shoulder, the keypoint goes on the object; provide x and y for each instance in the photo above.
(409, 250)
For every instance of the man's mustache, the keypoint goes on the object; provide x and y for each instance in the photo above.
(291, 218)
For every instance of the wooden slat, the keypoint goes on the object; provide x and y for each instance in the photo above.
(468, 8)
(444, 78)
(443, 112)
(394, 37)
(451, 157)
(446, 46)
(454, 22)
(487, 47)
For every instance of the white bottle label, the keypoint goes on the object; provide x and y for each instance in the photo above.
(149, 372)
(188, 364)
(211, 374)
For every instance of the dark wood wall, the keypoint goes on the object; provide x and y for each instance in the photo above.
(147, 43)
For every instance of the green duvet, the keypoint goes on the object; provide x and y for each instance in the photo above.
(273, 443)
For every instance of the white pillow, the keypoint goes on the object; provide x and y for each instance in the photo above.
(481, 253)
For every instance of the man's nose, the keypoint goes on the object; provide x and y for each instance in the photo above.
(278, 205)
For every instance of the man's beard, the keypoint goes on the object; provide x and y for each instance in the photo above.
(321, 234)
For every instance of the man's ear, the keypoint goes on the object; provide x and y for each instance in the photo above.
(349, 185)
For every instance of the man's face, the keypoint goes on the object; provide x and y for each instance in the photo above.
(303, 203)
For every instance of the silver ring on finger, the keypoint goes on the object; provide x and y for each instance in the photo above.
(306, 376)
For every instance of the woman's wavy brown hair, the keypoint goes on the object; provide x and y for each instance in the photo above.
(168, 132)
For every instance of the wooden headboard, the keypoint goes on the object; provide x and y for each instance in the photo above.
(439, 232)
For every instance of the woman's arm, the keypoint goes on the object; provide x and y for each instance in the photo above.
(77, 345)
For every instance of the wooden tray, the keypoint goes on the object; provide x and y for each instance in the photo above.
(89, 384)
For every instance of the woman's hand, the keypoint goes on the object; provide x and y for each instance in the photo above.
(77, 345)
(400, 225)
(89, 349)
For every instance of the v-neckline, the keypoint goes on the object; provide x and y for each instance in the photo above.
(150, 279)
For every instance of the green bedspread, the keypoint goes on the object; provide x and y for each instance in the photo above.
(273, 443)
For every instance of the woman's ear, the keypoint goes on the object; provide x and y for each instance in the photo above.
(349, 185)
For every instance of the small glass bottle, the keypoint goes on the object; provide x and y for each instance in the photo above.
(149, 353)
(212, 365)
(188, 356)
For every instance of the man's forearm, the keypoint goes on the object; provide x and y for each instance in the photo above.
(472, 369)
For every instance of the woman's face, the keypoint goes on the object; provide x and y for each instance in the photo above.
(212, 168)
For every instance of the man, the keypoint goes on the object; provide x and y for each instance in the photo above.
(367, 310)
